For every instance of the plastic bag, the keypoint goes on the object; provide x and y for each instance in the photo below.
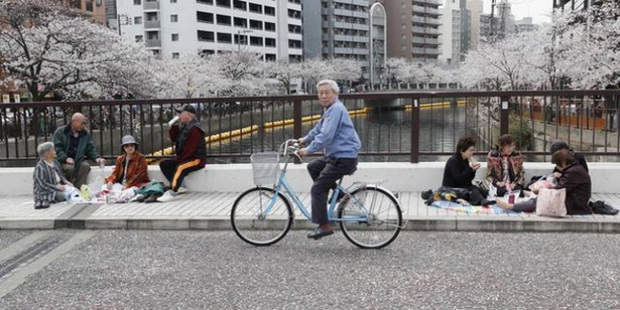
(73, 194)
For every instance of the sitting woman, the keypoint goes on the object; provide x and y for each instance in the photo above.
(505, 167)
(573, 177)
(49, 181)
(459, 171)
(130, 169)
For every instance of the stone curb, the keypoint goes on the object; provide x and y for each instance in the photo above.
(222, 223)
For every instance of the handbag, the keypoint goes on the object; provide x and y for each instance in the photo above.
(551, 202)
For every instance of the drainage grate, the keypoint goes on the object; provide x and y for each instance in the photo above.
(40, 248)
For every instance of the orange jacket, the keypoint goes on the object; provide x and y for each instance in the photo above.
(136, 171)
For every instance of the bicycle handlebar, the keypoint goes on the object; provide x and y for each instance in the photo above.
(291, 147)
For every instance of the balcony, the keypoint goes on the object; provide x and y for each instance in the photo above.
(151, 5)
(151, 24)
(152, 42)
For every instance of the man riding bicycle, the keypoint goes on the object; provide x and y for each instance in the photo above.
(335, 135)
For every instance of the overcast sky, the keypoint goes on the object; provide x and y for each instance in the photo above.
(540, 10)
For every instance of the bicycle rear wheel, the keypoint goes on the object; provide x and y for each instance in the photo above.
(260, 217)
(371, 218)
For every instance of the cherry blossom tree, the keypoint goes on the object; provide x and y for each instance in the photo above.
(51, 48)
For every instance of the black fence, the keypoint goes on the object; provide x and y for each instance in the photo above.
(393, 126)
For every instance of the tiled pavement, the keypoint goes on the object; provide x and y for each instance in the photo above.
(200, 210)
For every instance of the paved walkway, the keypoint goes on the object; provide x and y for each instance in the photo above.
(199, 210)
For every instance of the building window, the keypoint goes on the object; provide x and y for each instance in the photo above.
(173, 1)
(270, 26)
(270, 42)
(205, 1)
(270, 57)
(204, 17)
(175, 37)
(139, 38)
(223, 3)
(241, 22)
(256, 41)
(137, 2)
(137, 20)
(206, 36)
(156, 53)
(240, 5)
(207, 52)
(224, 37)
(256, 8)
(294, 44)
(269, 10)
(241, 39)
(175, 55)
(256, 24)
(293, 14)
(174, 18)
(152, 35)
(294, 28)
(223, 20)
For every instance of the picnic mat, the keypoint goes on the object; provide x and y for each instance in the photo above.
(453, 206)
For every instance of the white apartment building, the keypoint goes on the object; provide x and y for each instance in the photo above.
(173, 27)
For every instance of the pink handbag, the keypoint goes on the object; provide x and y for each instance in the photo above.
(551, 202)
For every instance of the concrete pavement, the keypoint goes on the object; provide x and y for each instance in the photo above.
(211, 211)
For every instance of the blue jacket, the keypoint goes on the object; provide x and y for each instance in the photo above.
(334, 134)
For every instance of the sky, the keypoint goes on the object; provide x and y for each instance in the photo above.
(540, 10)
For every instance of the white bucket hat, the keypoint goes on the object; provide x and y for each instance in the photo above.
(128, 139)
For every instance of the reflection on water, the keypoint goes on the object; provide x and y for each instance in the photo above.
(379, 130)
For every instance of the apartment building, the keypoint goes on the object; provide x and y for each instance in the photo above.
(173, 27)
(94, 9)
(413, 29)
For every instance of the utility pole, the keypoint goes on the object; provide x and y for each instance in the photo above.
(239, 33)
(491, 32)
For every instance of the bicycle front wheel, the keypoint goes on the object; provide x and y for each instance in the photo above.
(371, 218)
(260, 217)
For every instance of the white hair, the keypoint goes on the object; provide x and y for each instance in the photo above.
(331, 83)
(44, 148)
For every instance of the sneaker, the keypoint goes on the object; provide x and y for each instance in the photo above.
(169, 195)
(601, 207)
(138, 198)
(151, 198)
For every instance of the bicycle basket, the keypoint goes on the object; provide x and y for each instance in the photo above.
(265, 167)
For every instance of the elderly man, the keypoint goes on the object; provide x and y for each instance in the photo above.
(189, 142)
(337, 138)
(74, 146)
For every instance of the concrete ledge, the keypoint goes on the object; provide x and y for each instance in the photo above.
(397, 176)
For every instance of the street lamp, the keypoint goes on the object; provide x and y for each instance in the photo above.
(239, 33)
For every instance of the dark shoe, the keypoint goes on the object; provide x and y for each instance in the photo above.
(37, 204)
(485, 202)
(427, 194)
(318, 233)
(150, 198)
(600, 207)
(44, 205)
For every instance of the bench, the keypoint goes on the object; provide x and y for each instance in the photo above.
(398, 177)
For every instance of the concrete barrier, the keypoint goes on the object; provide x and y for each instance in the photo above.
(394, 175)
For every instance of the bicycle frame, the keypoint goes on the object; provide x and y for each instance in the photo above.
(291, 194)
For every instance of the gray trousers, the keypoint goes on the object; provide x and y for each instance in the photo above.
(79, 177)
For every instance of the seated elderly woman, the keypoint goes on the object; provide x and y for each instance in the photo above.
(573, 177)
(461, 169)
(505, 166)
(49, 181)
(131, 169)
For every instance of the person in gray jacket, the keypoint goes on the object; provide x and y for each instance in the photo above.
(49, 181)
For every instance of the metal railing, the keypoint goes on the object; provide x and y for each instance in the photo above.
(393, 126)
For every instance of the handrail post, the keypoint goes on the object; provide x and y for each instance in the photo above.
(503, 119)
(297, 122)
(415, 130)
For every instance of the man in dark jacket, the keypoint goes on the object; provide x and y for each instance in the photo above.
(74, 146)
(191, 151)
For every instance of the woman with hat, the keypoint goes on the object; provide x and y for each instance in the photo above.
(131, 169)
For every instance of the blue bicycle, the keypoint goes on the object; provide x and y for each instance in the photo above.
(369, 215)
